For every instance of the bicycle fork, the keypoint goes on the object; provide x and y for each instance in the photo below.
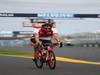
(48, 50)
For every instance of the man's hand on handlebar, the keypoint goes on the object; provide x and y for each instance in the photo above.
(59, 44)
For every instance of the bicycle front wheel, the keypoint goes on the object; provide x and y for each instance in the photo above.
(38, 61)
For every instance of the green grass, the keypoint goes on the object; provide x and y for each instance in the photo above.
(14, 52)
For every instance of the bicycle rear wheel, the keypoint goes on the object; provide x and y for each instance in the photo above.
(52, 61)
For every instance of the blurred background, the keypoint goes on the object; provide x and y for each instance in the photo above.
(82, 31)
(16, 37)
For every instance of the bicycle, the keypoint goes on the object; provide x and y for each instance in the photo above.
(46, 55)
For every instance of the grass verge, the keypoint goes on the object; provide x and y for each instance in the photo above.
(14, 52)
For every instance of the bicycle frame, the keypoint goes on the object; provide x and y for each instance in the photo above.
(45, 55)
(45, 49)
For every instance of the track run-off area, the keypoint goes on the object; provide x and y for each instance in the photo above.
(58, 59)
(70, 61)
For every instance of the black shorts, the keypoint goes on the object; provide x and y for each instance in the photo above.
(43, 41)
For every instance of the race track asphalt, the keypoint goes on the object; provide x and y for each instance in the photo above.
(25, 66)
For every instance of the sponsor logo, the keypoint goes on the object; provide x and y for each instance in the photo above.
(6, 33)
(55, 15)
(27, 32)
(6, 14)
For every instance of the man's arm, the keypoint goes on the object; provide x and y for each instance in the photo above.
(56, 37)
(36, 36)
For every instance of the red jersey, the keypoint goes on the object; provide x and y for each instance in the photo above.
(43, 33)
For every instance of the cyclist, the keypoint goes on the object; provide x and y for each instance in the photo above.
(44, 35)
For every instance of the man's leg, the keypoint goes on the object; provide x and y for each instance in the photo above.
(35, 52)
(47, 41)
(35, 48)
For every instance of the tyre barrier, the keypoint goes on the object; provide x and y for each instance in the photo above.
(90, 45)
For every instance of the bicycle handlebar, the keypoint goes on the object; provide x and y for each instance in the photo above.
(58, 44)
